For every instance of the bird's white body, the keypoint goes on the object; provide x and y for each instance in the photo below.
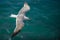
(20, 17)
(14, 16)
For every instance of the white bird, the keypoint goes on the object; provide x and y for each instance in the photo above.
(19, 19)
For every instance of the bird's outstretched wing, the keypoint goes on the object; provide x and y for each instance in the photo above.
(19, 19)
(18, 28)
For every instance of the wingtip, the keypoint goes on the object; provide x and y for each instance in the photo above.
(26, 5)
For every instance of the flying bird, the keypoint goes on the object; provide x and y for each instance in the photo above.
(20, 17)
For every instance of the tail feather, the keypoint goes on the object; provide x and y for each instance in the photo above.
(13, 15)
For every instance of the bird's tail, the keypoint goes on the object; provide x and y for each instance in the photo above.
(13, 15)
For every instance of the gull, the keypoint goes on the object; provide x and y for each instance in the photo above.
(20, 17)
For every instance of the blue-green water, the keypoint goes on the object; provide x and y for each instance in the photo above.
(44, 23)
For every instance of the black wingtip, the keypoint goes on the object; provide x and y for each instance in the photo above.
(15, 33)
